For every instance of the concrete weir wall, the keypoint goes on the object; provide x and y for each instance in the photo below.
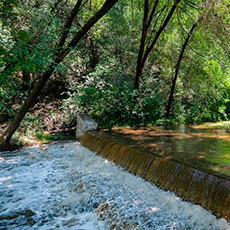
(210, 191)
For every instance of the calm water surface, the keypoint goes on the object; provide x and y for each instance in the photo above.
(202, 148)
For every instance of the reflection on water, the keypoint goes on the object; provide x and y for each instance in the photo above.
(66, 186)
(205, 149)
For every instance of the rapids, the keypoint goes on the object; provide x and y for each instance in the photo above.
(66, 186)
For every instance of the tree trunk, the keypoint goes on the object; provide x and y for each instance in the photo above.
(143, 54)
(142, 45)
(94, 55)
(160, 30)
(7, 135)
(26, 81)
(170, 100)
(68, 24)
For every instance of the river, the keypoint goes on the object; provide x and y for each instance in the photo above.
(66, 186)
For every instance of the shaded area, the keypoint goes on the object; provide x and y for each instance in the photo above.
(203, 148)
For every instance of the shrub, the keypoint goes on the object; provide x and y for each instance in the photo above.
(113, 105)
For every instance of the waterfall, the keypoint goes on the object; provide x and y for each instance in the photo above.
(210, 191)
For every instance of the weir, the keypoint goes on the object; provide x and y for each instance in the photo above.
(64, 185)
(209, 190)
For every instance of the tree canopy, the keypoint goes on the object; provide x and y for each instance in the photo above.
(129, 62)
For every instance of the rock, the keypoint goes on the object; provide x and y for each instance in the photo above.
(84, 123)
(102, 207)
(31, 221)
(28, 213)
(70, 223)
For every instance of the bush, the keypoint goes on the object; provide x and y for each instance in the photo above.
(113, 105)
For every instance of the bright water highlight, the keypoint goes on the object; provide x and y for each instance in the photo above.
(66, 186)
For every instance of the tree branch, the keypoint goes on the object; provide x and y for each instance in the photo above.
(69, 23)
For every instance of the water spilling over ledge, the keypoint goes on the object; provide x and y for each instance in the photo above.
(209, 190)
(66, 186)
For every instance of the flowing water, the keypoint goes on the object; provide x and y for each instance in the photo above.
(66, 186)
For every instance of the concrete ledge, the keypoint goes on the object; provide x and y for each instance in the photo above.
(84, 123)
(210, 191)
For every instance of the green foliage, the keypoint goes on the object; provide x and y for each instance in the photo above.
(100, 70)
(45, 137)
(113, 105)
(27, 36)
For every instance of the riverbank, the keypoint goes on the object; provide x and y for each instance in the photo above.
(25, 137)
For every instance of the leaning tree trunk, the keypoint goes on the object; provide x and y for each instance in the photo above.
(7, 135)
(170, 100)
(143, 55)
(142, 44)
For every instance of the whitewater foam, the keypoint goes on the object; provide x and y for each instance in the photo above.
(66, 186)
